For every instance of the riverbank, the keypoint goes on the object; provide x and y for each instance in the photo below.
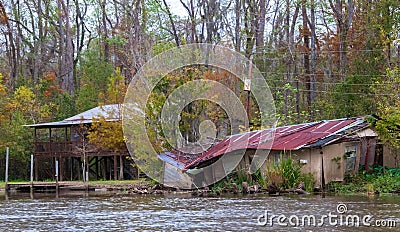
(108, 185)
(140, 186)
(376, 181)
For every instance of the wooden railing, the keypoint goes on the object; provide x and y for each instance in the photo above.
(70, 148)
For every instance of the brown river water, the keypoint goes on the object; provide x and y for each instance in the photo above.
(182, 212)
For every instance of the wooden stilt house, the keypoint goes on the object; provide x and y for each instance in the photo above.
(67, 142)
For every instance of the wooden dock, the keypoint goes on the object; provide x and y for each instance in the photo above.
(48, 187)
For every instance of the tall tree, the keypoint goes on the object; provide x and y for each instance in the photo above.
(11, 50)
(343, 12)
(66, 60)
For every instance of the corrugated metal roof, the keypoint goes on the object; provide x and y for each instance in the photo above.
(111, 113)
(294, 137)
(308, 134)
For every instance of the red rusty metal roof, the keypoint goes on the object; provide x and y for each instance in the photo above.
(298, 136)
(292, 137)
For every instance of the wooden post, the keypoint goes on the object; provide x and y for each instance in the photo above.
(83, 171)
(61, 168)
(115, 167)
(31, 173)
(35, 161)
(121, 168)
(248, 89)
(71, 163)
(105, 168)
(6, 174)
(97, 167)
(87, 167)
(50, 141)
(56, 165)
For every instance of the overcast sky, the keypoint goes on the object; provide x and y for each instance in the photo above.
(176, 7)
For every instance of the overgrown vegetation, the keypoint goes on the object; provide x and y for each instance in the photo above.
(379, 180)
(285, 175)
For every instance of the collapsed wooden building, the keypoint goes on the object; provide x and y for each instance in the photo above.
(328, 149)
(65, 142)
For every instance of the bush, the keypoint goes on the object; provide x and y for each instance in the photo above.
(338, 187)
(287, 174)
(381, 180)
(308, 180)
(386, 183)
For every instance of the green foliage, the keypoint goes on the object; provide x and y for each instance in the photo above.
(290, 171)
(3, 99)
(162, 47)
(95, 74)
(386, 183)
(388, 109)
(116, 89)
(380, 180)
(20, 108)
(105, 134)
(53, 99)
(309, 181)
(259, 178)
(286, 106)
(193, 113)
(337, 187)
(27, 105)
(347, 100)
(219, 186)
(287, 174)
(65, 106)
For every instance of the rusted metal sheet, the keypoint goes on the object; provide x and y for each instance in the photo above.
(294, 137)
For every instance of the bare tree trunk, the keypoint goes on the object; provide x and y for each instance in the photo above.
(11, 51)
(398, 55)
(192, 18)
(80, 34)
(275, 19)
(121, 168)
(174, 33)
(105, 30)
(306, 42)
(40, 49)
(344, 18)
(67, 49)
(249, 26)
(288, 63)
(260, 28)
(237, 25)
(313, 59)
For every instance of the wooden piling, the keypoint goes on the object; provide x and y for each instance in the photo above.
(115, 168)
(57, 186)
(31, 183)
(6, 174)
(121, 168)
